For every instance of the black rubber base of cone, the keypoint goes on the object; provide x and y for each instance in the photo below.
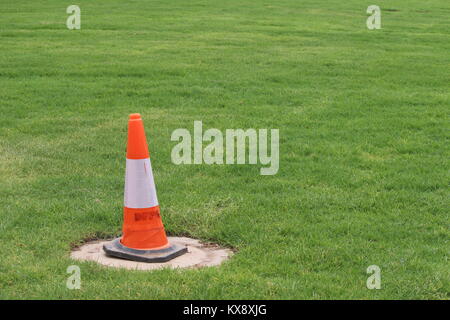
(116, 249)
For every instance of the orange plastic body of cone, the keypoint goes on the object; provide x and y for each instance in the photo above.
(142, 227)
(137, 143)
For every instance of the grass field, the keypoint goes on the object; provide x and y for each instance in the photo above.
(364, 134)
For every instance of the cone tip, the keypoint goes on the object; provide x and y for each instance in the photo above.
(135, 116)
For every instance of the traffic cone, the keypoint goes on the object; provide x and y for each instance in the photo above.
(143, 238)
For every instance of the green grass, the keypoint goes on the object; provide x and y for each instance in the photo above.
(364, 134)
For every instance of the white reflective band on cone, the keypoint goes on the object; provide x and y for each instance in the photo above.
(140, 189)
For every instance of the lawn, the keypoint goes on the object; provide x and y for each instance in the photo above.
(364, 136)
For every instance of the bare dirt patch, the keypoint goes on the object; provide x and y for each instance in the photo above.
(199, 255)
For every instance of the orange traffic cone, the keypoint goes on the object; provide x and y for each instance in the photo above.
(144, 238)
